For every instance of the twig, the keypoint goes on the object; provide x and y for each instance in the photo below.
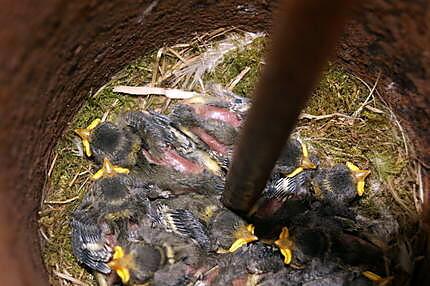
(51, 168)
(360, 108)
(374, 109)
(238, 78)
(166, 105)
(100, 90)
(148, 90)
(76, 176)
(398, 199)
(62, 202)
(420, 184)
(106, 114)
(176, 54)
(156, 65)
(321, 117)
(83, 184)
(69, 278)
(43, 234)
(394, 117)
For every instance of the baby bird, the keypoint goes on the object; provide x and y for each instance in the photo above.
(185, 224)
(173, 160)
(295, 158)
(136, 262)
(228, 232)
(289, 185)
(285, 245)
(114, 203)
(226, 98)
(207, 107)
(217, 135)
(164, 144)
(323, 237)
(180, 241)
(107, 140)
(340, 184)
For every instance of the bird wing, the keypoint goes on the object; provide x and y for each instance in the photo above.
(88, 244)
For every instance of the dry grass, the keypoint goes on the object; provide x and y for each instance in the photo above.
(345, 121)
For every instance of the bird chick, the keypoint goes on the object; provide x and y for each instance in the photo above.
(207, 107)
(226, 98)
(295, 158)
(165, 145)
(109, 170)
(112, 205)
(228, 232)
(184, 223)
(107, 140)
(216, 135)
(289, 182)
(376, 279)
(340, 184)
(137, 262)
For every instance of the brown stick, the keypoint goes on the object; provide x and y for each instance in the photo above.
(305, 32)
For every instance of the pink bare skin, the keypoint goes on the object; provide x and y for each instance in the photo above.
(174, 160)
(213, 143)
(217, 113)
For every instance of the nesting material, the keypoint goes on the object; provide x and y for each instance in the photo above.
(346, 121)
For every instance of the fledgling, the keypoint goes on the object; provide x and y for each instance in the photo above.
(173, 159)
(228, 232)
(184, 223)
(295, 158)
(340, 184)
(213, 120)
(203, 207)
(136, 262)
(287, 192)
(165, 145)
(182, 183)
(107, 140)
(226, 98)
(247, 266)
(317, 236)
(217, 135)
(113, 204)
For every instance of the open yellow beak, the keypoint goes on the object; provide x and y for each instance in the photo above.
(380, 281)
(359, 177)
(109, 170)
(306, 163)
(85, 133)
(244, 236)
(117, 264)
(285, 245)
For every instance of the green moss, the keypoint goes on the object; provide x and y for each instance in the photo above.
(70, 175)
(370, 140)
(337, 92)
(235, 62)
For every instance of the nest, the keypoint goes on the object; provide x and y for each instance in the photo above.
(346, 120)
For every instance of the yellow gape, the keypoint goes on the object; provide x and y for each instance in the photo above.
(285, 244)
(109, 170)
(85, 133)
(378, 280)
(243, 235)
(359, 177)
(120, 264)
(305, 164)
